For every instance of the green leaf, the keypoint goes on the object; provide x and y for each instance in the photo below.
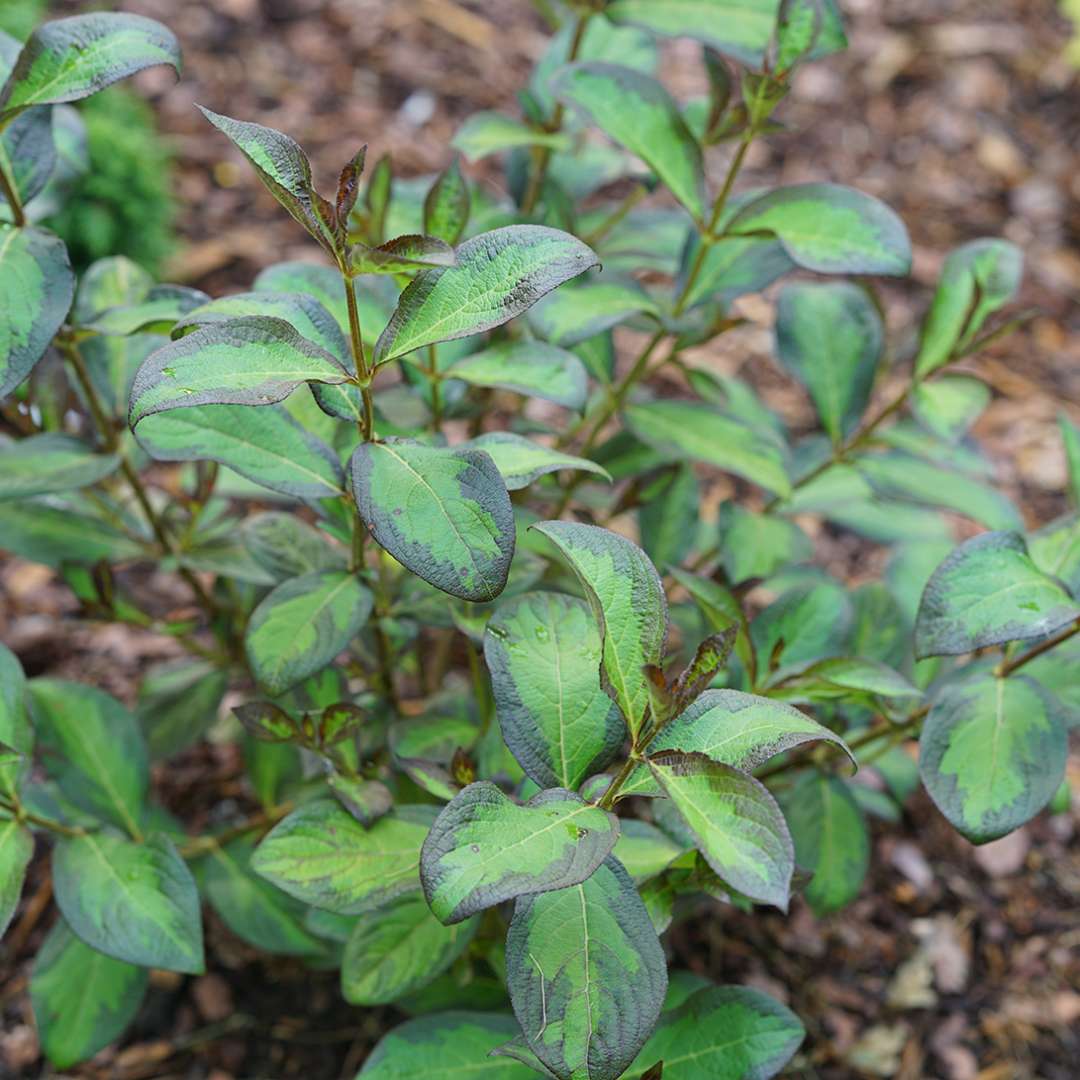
(521, 461)
(738, 826)
(36, 289)
(448, 204)
(721, 610)
(444, 514)
(757, 545)
(807, 623)
(637, 112)
(543, 651)
(322, 855)
(446, 1046)
(572, 315)
(286, 547)
(831, 839)
(1055, 550)
(69, 59)
(527, 367)
(988, 592)
(252, 908)
(82, 999)
(397, 949)
(16, 850)
(42, 464)
(740, 730)
(976, 280)
(992, 753)
(834, 678)
(265, 445)
(284, 169)
(949, 405)
(732, 267)
(683, 430)
(483, 849)
(668, 516)
(1070, 438)
(903, 476)
(586, 974)
(178, 702)
(741, 29)
(830, 338)
(53, 531)
(255, 360)
(134, 902)
(302, 625)
(305, 313)
(155, 313)
(486, 133)
(808, 29)
(627, 600)
(499, 275)
(16, 732)
(723, 1033)
(93, 749)
(27, 154)
(830, 229)
(402, 255)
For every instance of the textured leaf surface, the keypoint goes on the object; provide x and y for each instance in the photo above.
(740, 29)
(255, 360)
(992, 754)
(283, 168)
(627, 599)
(830, 229)
(287, 547)
(403, 255)
(134, 902)
(638, 113)
(69, 59)
(447, 204)
(265, 445)
(27, 154)
(723, 1033)
(586, 974)
(527, 367)
(92, 748)
(444, 514)
(36, 289)
(543, 651)
(520, 461)
(831, 338)
(987, 592)
(499, 275)
(322, 855)
(302, 625)
(305, 313)
(82, 998)
(736, 729)
(685, 430)
(16, 848)
(256, 911)
(483, 849)
(976, 280)
(397, 949)
(831, 839)
(446, 1046)
(739, 828)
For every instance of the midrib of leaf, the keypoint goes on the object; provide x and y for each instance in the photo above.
(442, 509)
(166, 928)
(587, 991)
(560, 703)
(105, 777)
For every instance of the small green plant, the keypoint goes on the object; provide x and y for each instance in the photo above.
(493, 753)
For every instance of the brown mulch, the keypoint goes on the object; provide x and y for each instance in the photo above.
(955, 963)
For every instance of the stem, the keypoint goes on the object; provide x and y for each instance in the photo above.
(607, 800)
(543, 158)
(13, 200)
(366, 426)
(1007, 667)
(21, 814)
(617, 215)
(200, 845)
(359, 538)
(108, 434)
